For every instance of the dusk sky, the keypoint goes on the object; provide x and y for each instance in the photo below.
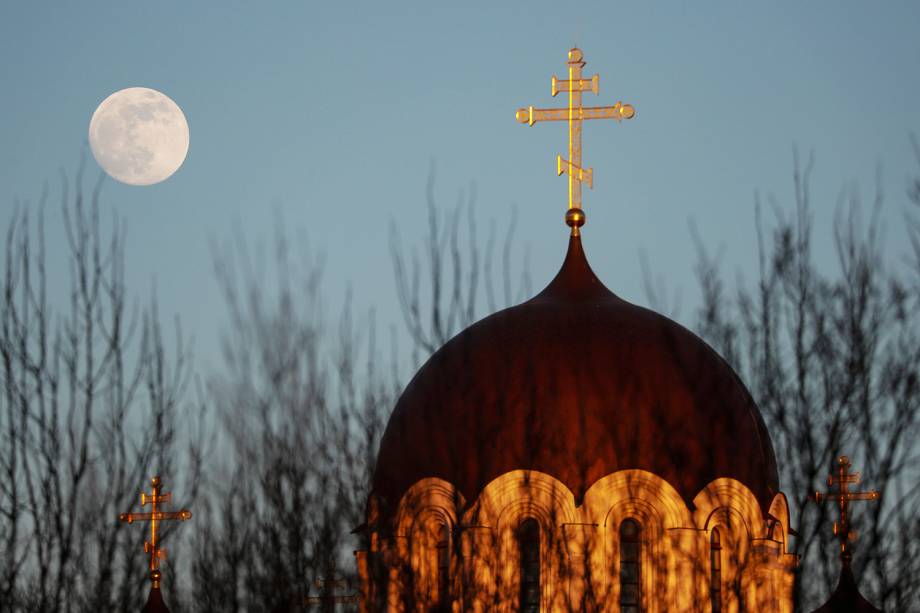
(332, 114)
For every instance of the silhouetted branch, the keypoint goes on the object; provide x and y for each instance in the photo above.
(90, 410)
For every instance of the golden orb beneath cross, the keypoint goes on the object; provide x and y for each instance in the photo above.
(575, 218)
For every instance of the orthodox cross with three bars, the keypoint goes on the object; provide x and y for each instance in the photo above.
(155, 515)
(842, 497)
(575, 114)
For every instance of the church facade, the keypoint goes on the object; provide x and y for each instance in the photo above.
(633, 545)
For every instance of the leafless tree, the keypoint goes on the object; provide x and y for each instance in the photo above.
(440, 291)
(302, 404)
(91, 407)
(832, 359)
(93, 404)
(300, 422)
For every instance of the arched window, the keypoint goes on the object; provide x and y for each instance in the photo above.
(529, 544)
(630, 566)
(715, 570)
(442, 548)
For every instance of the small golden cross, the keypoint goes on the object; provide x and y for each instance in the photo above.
(575, 114)
(842, 497)
(154, 516)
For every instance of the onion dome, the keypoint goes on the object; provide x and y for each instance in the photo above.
(846, 598)
(576, 383)
(155, 603)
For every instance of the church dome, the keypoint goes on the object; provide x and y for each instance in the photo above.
(576, 383)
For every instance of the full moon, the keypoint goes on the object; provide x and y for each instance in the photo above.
(139, 136)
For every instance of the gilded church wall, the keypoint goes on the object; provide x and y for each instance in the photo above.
(442, 554)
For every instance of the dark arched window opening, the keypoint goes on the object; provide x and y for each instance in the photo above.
(715, 571)
(529, 544)
(442, 548)
(630, 566)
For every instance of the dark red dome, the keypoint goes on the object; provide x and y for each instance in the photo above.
(847, 598)
(576, 383)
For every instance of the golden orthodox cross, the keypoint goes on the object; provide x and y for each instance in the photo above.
(843, 496)
(575, 114)
(155, 515)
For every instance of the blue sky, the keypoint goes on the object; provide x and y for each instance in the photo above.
(332, 114)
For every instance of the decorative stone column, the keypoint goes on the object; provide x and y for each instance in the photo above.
(774, 575)
(395, 556)
(477, 551)
(364, 581)
(686, 581)
(580, 542)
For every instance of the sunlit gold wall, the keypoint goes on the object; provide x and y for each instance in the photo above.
(580, 562)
